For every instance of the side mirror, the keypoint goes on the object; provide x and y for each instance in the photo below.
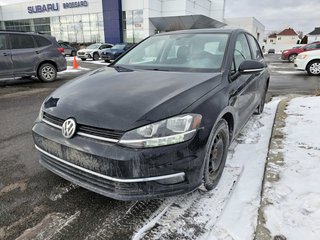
(251, 67)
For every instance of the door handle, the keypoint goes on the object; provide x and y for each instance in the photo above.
(5, 54)
(37, 52)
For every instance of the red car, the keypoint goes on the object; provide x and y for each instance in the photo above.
(291, 54)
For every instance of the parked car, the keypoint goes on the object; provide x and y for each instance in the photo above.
(68, 50)
(291, 54)
(308, 61)
(112, 53)
(93, 51)
(30, 54)
(159, 120)
(271, 51)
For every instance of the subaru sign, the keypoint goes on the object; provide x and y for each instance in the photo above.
(54, 7)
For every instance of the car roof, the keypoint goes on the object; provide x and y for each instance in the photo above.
(205, 30)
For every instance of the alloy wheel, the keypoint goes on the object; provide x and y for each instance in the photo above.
(315, 68)
(48, 73)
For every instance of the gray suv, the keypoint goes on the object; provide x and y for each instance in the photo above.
(30, 54)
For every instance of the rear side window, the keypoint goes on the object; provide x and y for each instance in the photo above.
(21, 41)
(3, 42)
(311, 46)
(257, 55)
(42, 41)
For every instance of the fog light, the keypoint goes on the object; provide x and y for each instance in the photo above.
(173, 180)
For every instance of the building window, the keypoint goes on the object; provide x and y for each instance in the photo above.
(132, 22)
(279, 38)
(85, 28)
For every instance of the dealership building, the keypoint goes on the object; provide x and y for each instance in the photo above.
(111, 21)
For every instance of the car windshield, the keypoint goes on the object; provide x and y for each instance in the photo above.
(119, 46)
(178, 52)
(93, 46)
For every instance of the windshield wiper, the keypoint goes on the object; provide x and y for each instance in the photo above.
(121, 69)
(156, 69)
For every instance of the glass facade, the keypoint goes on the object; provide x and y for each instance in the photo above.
(83, 28)
(132, 23)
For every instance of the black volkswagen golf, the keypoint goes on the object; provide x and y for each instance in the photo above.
(159, 120)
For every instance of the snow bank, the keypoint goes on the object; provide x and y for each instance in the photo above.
(239, 220)
(295, 198)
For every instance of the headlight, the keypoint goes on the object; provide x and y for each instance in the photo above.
(167, 132)
(302, 56)
(40, 115)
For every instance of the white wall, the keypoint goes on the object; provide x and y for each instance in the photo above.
(249, 24)
(218, 9)
(313, 38)
(287, 39)
(167, 8)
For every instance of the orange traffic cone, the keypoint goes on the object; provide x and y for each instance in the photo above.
(75, 63)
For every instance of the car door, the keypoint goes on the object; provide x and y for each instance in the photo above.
(244, 86)
(260, 77)
(5, 57)
(24, 54)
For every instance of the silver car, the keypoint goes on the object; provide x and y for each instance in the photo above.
(93, 51)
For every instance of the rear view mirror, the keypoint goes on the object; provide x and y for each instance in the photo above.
(251, 67)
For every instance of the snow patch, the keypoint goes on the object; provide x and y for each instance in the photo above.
(295, 198)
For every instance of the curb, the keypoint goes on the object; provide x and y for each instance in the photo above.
(274, 158)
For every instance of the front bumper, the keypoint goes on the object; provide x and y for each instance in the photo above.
(107, 57)
(119, 172)
(300, 64)
(84, 56)
(284, 56)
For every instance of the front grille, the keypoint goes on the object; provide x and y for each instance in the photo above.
(99, 132)
(81, 53)
(89, 181)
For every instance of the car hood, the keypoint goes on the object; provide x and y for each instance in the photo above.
(113, 51)
(87, 50)
(123, 100)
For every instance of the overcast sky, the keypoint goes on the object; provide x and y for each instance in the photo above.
(302, 15)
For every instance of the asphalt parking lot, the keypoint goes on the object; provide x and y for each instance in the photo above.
(36, 203)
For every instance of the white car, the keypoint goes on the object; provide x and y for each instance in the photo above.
(309, 61)
(93, 51)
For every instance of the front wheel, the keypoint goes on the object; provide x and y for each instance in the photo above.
(260, 108)
(292, 57)
(95, 57)
(313, 68)
(216, 154)
(83, 59)
(47, 73)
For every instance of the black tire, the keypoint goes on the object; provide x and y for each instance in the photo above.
(107, 61)
(292, 57)
(47, 72)
(313, 68)
(216, 154)
(95, 56)
(73, 53)
(260, 108)
(83, 59)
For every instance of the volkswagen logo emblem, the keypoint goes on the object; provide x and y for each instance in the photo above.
(69, 128)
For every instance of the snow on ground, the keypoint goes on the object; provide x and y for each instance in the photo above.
(230, 210)
(70, 69)
(239, 219)
(295, 198)
(99, 62)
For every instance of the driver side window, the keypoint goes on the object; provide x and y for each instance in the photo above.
(241, 52)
